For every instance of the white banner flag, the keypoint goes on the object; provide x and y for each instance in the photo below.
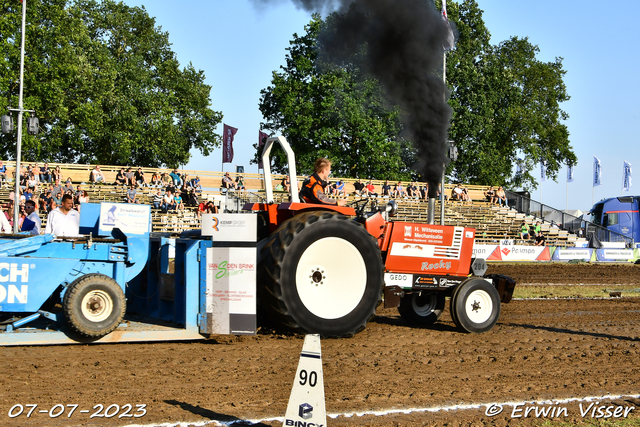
(543, 172)
(597, 172)
(626, 176)
(569, 173)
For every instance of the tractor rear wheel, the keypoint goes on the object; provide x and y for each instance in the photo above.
(475, 305)
(323, 274)
(94, 305)
(422, 309)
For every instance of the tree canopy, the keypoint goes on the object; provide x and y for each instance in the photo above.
(506, 106)
(105, 85)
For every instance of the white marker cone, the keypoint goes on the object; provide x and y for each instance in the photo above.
(306, 403)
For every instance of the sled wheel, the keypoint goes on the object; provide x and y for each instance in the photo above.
(476, 304)
(323, 274)
(422, 309)
(94, 305)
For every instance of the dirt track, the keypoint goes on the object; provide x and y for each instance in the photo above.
(542, 349)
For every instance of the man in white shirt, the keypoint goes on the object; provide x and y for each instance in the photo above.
(64, 221)
(97, 175)
(32, 215)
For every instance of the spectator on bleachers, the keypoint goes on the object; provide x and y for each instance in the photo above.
(83, 197)
(178, 201)
(211, 207)
(156, 179)
(157, 200)
(33, 182)
(53, 203)
(132, 196)
(286, 184)
(141, 180)
(36, 171)
(240, 183)
(358, 186)
(166, 179)
(121, 179)
(57, 188)
(191, 198)
(460, 193)
(45, 199)
(130, 175)
(501, 197)
(169, 202)
(196, 184)
(57, 174)
(386, 189)
(227, 182)
(45, 173)
(3, 172)
(399, 190)
(68, 186)
(171, 187)
(175, 176)
(534, 230)
(370, 190)
(490, 195)
(339, 188)
(28, 194)
(524, 231)
(541, 239)
(412, 190)
(97, 175)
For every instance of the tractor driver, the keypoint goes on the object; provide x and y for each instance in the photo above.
(313, 188)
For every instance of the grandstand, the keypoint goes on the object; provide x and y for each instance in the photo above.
(493, 224)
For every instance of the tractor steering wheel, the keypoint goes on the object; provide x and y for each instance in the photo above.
(359, 206)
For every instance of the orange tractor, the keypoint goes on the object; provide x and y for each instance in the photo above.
(324, 269)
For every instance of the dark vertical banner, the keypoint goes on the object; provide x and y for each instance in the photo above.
(227, 143)
(262, 139)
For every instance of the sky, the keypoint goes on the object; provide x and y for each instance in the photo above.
(238, 45)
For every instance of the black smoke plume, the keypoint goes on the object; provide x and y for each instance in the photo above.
(404, 51)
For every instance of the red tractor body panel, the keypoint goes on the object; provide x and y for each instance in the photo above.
(429, 249)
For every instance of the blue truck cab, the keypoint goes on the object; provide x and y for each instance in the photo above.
(619, 214)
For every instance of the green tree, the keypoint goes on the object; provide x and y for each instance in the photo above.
(105, 84)
(506, 105)
(338, 113)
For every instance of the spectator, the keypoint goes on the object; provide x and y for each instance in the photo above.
(130, 177)
(32, 224)
(36, 172)
(169, 202)
(64, 221)
(501, 197)
(121, 179)
(340, 188)
(398, 191)
(140, 178)
(3, 172)
(460, 193)
(534, 230)
(286, 185)
(386, 188)
(197, 185)
(28, 194)
(359, 187)
(166, 179)
(192, 198)
(227, 182)
(175, 176)
(412, 190)
(83, 197)
(490, 195)
(97, 175)
(156, 179)
(179, 205)
(240, 183)
(524, 231)
(57, 174)
(68, 186)
(157, 200)
(45, 200)
(370, 189)
(211, 207)
(132, 195)
(541, 240)
(45, 173)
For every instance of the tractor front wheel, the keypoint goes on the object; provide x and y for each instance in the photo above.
(323, 274)
(475, 305)
(94, 305)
